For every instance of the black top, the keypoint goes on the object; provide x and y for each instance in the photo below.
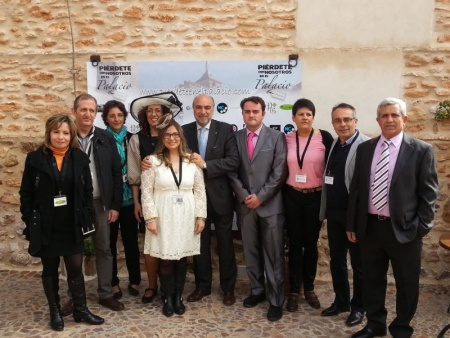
(337, 194)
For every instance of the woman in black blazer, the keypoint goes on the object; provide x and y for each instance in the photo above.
(57, 189)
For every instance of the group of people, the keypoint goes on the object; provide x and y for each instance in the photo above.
(377, 195)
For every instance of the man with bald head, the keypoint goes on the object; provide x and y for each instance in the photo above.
(215, 151)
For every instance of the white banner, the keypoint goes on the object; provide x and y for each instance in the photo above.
(228, 82)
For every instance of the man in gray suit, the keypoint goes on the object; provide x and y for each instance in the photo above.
(338, 175)
(259, 205)
(391, 207)
(217, 158)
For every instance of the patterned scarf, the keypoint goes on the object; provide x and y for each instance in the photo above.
(120, 137)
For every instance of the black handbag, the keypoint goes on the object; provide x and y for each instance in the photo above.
(35, 231)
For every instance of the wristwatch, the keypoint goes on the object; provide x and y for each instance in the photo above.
(202, 218)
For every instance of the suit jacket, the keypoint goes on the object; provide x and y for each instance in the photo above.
(412, 193)
(349, 169)
(221, 158)
(264, 175)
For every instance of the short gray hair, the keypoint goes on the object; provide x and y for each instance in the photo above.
(392, 101)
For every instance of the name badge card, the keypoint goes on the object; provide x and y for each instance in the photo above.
(300, 178)
(59, 201)
(329, 180)
(177, 199)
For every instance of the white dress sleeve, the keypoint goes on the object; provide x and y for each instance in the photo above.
(199, 193)
(147, 188)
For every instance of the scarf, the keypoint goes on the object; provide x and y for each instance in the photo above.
(120, 137)
(59, 155)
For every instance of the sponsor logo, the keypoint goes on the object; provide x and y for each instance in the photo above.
(222, 108)
(288, 128)
(276, 127)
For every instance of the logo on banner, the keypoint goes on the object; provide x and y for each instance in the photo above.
(276, 127)
(288, 128)
(222, 108)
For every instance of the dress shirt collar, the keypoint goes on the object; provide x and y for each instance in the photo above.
(208, 126)
(396, 141)
(257, 131)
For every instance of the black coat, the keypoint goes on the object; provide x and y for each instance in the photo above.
(38, 172)
(109, 169)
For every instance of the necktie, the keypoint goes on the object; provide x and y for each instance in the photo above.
(380, 185)
(202, 140)
(250, 145)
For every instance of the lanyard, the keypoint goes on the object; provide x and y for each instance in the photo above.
(300, 161)
(180, 170)
(59, 175)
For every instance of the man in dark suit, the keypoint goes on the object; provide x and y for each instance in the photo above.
(214, 150)
(391, 207)
(259, 205)
(334, 202)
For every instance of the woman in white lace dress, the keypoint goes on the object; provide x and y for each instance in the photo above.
(174, 208)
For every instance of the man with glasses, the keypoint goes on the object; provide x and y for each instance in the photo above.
(334, 203)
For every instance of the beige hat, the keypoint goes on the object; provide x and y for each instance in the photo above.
(168, 99)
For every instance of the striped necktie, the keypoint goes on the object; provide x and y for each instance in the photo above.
(380, 183)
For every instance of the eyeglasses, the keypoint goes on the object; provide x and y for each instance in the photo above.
(154, 111)
(345, 120)
(168, 136)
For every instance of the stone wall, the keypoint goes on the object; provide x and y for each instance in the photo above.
(43, 51)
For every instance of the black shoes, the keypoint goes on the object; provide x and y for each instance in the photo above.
(178, 305)
(369, 333)
(118, 294)
(334, 310)
(275, 313)
(253, 300)
(149, 299)
(132, 290)
(354, 318)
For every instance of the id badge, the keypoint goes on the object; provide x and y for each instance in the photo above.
(300, 178)
(177, 199)
(59, 201)
(329, 180)
(125, 178)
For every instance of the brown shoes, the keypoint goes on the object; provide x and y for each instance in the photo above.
(292, 303)
(229, 298)
(111, 303)
(197, 295)
(312, 299)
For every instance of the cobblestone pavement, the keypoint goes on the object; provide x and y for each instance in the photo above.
(24, 313)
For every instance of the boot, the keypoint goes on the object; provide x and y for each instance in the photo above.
(180, 280)
(178, 305)
(51, 289)
(80, 310)
(168, 309)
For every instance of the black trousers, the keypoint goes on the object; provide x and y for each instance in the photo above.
(129, 232)
(340, 246)
(378, 248)
(227, 259)
(303, 226)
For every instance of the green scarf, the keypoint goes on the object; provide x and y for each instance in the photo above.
(120, 137)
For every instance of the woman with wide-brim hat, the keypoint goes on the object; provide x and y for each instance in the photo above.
(147, 110)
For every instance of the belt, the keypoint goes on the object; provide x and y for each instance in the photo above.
(379, 217)
(306, 191)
